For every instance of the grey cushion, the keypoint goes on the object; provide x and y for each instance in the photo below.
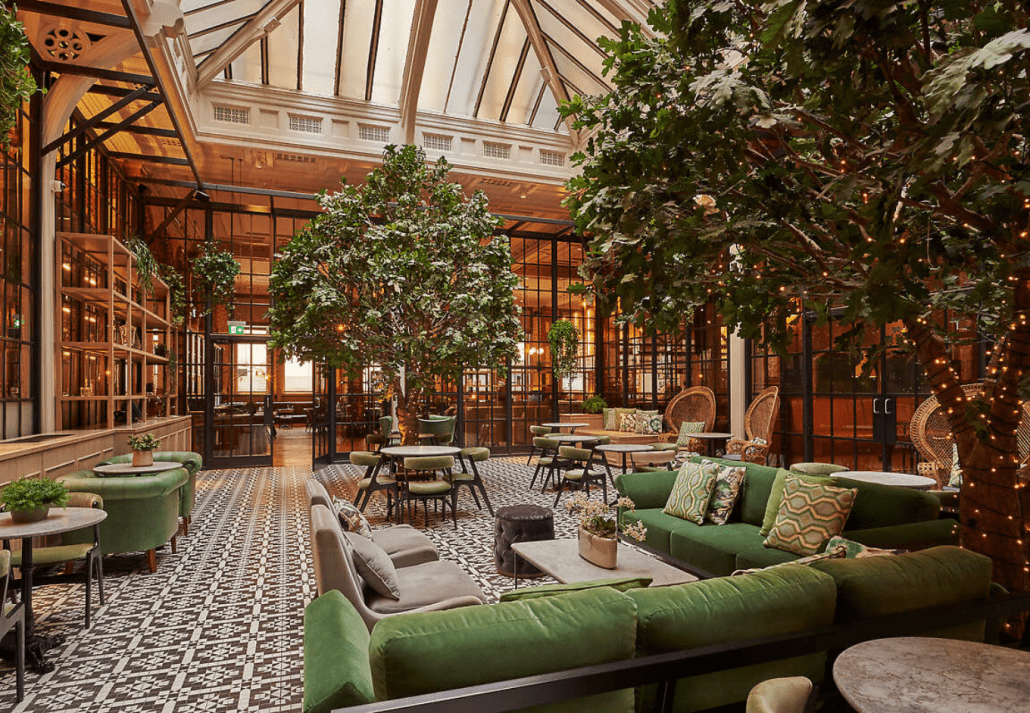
(425, 584)
(374, 566)
(405, 545)
(351, 518)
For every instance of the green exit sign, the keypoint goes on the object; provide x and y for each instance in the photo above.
(236, 328)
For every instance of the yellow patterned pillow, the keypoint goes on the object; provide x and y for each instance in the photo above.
(809, 515)
(692, 491)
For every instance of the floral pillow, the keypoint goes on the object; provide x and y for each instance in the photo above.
(724, 494)
(628, 421)
(955, 477)
(686, 429)
(648, 422)
(611, 419)
(692, 491)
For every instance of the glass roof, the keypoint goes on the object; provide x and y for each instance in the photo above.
(484, 59)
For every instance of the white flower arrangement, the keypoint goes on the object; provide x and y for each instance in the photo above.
(601, 520)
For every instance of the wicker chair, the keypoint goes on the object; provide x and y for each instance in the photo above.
(697, 405)
(931, 435)
(758, 423)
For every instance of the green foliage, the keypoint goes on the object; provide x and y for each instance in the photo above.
(564, 340)
(177, 293)
(16, 84)
(146, 442)
(32, 493)
(146, 265)
(214, 273)
(869, 156)
(594, 404)
(405, 273)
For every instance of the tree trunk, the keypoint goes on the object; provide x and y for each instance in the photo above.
(995, 504)
(408, 402)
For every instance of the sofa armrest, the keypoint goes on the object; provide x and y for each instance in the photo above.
(337, 673)
(646, 490)
(910, 536)
(453, 603)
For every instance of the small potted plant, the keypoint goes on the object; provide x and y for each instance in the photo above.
(30, 499)
(593, 408)
(599, 529)
(143, 449)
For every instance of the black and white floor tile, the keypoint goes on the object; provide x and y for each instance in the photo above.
(219, 626)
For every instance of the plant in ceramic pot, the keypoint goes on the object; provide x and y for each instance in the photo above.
(599, 529)
(30, 499)
(594, 404)
(564, 340)
(143, 449)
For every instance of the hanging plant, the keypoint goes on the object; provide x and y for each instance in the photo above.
(176, 291)
(16, 84)
(146, 265)
(564, 339)
(214, 273)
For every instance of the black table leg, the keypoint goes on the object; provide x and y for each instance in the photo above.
(35, 644)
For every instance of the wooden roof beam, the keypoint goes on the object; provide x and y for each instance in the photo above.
(415, 64)
(544, 57)
(266, 20)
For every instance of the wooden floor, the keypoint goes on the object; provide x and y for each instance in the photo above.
(292, 447)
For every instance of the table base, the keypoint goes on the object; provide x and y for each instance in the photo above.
(36, 646)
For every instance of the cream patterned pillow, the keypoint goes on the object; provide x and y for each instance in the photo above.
(628, 421)
(351, 519)
(809, 515)
(648, 422)
(686, 429)
(724, 494)
(692, 491)
(611, 419)
(955, 477)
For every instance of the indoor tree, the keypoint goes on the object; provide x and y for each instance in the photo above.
(16, 83)
(403, 273)
(867, 157)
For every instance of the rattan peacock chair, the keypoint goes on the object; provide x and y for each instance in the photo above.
(693, 405)
(758, 426)
(931, 435)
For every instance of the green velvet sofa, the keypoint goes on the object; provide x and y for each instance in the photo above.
(882, 516)
(192, 462)
(413, 654)
(142, 510)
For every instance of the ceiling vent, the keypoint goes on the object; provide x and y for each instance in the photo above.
(295, 158)
(64, 44)
(437, 142)
(231, 114)
(495, 150)
(552, 158)
(306, 124)
(378, 134)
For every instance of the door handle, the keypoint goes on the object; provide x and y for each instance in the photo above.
(875, 412)
(886, 404)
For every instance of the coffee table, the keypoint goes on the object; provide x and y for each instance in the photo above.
(882, 477)
(922, 674)
(561, 560)
(130, 469)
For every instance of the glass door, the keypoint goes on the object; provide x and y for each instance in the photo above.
(239, 428)
(321, 416)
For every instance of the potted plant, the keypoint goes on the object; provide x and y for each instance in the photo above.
(599, 529)
(593, 408)
(214, 273)
(564, 340)
(146, 265)
(16, 84)
(143, 449)
(30, 499)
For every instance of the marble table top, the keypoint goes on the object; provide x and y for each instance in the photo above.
(57, 521)
(564, 424)
(571, 437)
(625, 448)
(711, 435)
(130, 469)
(417, 451)
(921, 674)
(561, 560)
(901, 480)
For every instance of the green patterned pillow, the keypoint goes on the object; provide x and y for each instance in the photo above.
(856, 550)
(649, 422)
(810, 514)
(686, 429)
(692, 491)
(772, 505)
(724, 494)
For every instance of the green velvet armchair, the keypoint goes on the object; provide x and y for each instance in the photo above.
(192, 462)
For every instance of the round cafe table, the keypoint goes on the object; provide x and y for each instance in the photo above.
(927, 675)
(399, 453)
(565, 424)
(572, 438)
(130, 469)
(711, 437)
(59, 520)
(625, 449)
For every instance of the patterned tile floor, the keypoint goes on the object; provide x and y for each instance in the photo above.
(219, 626)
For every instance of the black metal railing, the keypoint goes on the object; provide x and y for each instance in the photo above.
(665, 669)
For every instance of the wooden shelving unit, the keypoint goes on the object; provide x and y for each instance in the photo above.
(116, 346)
